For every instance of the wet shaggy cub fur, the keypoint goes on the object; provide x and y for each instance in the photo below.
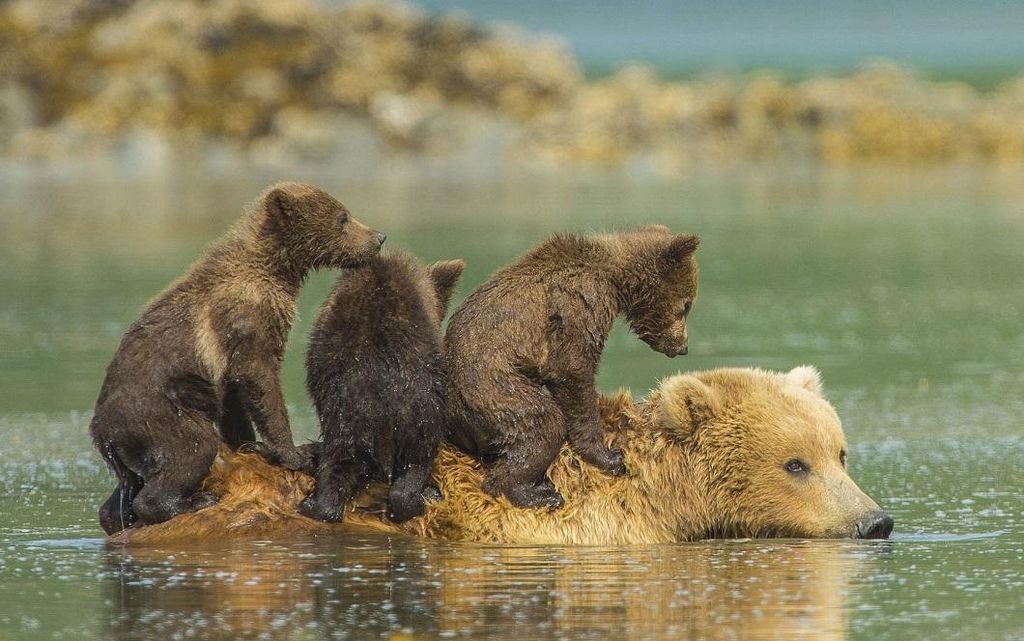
(375, 371)
(205, 354)
(523, 349)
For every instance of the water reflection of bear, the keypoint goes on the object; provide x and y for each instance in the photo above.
(259, 590)
(370, 585)
(713, 590)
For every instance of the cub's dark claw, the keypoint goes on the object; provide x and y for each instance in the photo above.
(405, 503)
(317, 512)
(310, 451)
(402, 513)
(432, 494)
(299, 460)
(203, 500)
(542, 495)
(617, 462)
(609, 460)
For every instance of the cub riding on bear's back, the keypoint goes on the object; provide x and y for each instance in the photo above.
(523, 349)
(375, 370)
(207, 350)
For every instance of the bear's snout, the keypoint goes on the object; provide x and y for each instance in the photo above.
(875, 526)
(674, 350)
(667, 347)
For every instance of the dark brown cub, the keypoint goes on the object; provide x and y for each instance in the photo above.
(523, 349)
(205, 353)
(375, 370)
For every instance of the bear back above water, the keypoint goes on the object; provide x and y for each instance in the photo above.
(375, 371)
(205, 354)
(523, 349)
(709, 456)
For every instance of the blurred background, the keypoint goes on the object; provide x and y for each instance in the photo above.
(855, 171)
(534, 86)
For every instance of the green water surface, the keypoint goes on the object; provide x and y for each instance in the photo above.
(904, 287)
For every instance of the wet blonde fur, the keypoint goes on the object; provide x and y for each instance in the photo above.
(675, 490)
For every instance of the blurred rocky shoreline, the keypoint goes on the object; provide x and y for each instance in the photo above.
(293, 81)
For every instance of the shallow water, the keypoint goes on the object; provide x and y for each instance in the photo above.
(902, 287)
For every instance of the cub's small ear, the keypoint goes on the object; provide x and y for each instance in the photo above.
(680, 248)
(687, 403)
(806, 377)
(278, 201)
(445, 275)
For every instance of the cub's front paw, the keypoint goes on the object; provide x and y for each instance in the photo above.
(311, 451)
(202, 500)
(617, 462)
(314, 510)
(610, 460)
(405, 508)
(298, 459)
(432, 494)
(541, 495)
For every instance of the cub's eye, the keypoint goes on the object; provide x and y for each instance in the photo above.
(842, 457)
(686, 309)
(342, 218)
(796, 466)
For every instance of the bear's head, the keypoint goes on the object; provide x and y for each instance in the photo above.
(768, 454)
(665, 291)
(316, 230)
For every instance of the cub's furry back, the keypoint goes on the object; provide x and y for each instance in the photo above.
(375, 371)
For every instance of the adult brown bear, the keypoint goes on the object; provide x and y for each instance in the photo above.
(722, 453)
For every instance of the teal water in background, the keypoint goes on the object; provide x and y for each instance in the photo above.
(904, 287)
(979, 41)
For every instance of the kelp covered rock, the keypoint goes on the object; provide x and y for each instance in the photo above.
(241, 70)
(295, 80)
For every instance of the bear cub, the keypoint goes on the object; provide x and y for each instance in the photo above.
(522, 350)
(375, 371)
(204, 355)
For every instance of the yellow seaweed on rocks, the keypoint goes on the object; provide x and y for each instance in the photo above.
(296, 80)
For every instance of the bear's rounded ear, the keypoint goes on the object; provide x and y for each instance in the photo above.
(687, 402)
(445, 275)
(680, 248)
(806, 377)
(278, 201)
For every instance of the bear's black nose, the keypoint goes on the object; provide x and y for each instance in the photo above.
(877, 526)
(381, 237)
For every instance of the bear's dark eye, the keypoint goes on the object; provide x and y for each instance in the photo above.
(342, 218)
(796, 466)
(686, 308)
(842, 457)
